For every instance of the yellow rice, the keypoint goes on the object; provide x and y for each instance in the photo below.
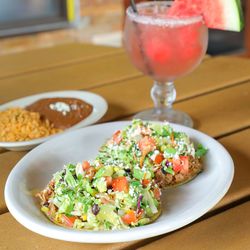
(18, 124)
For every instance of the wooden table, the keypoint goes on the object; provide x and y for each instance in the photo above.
(216, 95)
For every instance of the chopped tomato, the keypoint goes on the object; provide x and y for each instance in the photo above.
(129, 217)
(157, 193)
(177, 168)
(181, 164)
(120, 184)
(108, 181)
(68, 220)
(146, 144)
(159, 158)
(185, 164)
(177, 165)
(117, 137)
(85, 165)
(145, 182)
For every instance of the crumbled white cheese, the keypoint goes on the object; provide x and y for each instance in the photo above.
(156, 152)
(62, 107)
(131, 191)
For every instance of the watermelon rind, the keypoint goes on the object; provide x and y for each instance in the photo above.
(241, 15)
(217, 14)
(233, 14)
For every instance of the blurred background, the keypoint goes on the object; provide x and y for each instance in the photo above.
(31, 24)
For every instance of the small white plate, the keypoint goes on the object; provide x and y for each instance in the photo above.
(180, 205)
(100, 107)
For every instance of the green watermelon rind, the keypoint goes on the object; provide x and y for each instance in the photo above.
(218, 14)
(241, 15)
(234, 14)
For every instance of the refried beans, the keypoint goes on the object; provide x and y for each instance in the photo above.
(62, 112)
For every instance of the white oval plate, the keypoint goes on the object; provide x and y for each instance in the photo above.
(181, 205)
(100, 107)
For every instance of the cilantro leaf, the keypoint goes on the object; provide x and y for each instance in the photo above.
(200, 151)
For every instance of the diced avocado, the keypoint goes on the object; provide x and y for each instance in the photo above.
(104, 171)
(130, 202)
(120, 172)
(148, 211)
(138, 174)
(169, 151)
(107, 213)
(100, 184)
(109, 170)
(157, 128)
(144, 221)
(100, 173)
(45, 209)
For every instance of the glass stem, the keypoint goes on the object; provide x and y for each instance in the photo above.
(163, 95)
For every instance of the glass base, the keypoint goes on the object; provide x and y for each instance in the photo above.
(166, 115)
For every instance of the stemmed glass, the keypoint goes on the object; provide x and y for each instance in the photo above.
(164, 48)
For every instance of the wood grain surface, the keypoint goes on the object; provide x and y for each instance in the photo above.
(228, 230)
(47, 58)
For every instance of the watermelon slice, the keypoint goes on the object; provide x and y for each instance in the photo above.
(218, 14)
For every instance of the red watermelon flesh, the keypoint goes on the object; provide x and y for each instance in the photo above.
(217, 14)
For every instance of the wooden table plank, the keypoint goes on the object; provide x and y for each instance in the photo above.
(77, 76)
(213, 74)
(7, 162)
(46, 58)
(228, 108)
(238, 146)
(2, 150)
(216, 113)
(13, 234)
(228, 230)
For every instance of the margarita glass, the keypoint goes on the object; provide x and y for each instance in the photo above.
(164, 48)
